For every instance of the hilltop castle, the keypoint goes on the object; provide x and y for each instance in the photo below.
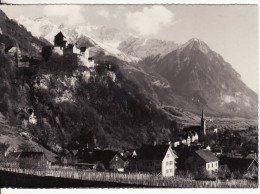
(61, 47)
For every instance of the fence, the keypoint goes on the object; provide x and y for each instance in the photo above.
(135, 178)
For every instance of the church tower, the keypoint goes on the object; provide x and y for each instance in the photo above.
(203, 122)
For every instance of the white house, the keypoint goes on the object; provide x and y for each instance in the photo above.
(159, 159)
(202, 159)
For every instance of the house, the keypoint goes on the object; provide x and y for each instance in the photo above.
(202, 159)
(11, 50)
(241, 164)
(111, 160)
(60, 40)
(70, 157)
(29, 159)
(130, 154)
(158, 159)
(26, 115)
(33, 159)
(217, 151)
(12, 160)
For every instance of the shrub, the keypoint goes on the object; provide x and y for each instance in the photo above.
(100, 167)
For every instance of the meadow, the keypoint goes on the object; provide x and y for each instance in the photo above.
(140, 179)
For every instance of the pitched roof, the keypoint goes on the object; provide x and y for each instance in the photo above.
(104, 156)
(151, 152)
(207, 155)
(241, 164)
(34, 155)
(8, 48)
(12, 156)
(59, 35)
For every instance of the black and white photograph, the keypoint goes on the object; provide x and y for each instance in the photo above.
(129, 96)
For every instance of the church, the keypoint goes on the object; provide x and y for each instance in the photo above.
(193, 133)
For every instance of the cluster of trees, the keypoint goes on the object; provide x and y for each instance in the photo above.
(234, 140)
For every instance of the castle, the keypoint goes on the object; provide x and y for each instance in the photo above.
(61, 47)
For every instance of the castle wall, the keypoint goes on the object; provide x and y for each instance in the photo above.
(58, 50)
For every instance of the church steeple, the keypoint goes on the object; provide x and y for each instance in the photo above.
(203, 123)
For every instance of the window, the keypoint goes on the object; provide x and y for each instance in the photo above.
(170, 170)
(167, 171)
(168, 155)
(166, 163)
(216, 164)
(212, 165)
(208, 165)
(171, 162)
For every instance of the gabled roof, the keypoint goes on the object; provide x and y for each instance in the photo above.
(151, 152)
(241, 164)
(74, 152)
(59, 35)
(207, 155)
(8, 48)
(12, 156)
(104, 156)
(31, 155)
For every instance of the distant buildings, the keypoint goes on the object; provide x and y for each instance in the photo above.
(192, 134)
(107, 159)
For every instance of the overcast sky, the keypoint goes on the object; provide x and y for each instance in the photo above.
(230, 30)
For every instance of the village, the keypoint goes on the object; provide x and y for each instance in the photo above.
(188, 154)
(192, 152)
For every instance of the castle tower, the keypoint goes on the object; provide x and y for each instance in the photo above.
(203, 122)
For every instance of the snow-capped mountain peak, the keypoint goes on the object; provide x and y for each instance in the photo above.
(106, 38)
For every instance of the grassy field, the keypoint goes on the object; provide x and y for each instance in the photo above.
(131, 179)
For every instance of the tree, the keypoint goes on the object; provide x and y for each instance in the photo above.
(46, 52)
(224, 172)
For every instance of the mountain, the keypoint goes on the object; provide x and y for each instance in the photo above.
(76, 105)
(187, 76)
(192, 76)
(142, 48)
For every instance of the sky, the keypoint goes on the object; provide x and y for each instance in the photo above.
(230, 30)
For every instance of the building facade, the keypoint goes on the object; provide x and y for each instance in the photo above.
(202, 159)
(158, 159)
